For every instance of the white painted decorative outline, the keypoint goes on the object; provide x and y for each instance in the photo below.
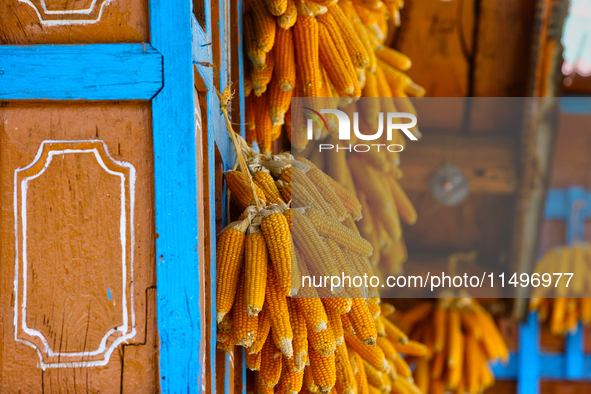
(98, 147)
(44, 12)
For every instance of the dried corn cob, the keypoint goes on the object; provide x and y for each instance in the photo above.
(275, 228)
(242, 190)
(230, 257)
(256, 261)
(278, 315)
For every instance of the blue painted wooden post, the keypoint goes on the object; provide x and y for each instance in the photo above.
(574, 206)
(180, 319)
(528, 363)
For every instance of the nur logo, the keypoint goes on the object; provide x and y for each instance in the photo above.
(345, 124)
(392, 123)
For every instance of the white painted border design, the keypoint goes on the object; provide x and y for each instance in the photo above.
(86, 11)
(123, 232)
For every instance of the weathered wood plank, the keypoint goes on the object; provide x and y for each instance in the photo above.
(125, 129)
(437, 36)
(504, 37)
(25, 22)
(100, 72)
(180, 319)
(140, 362)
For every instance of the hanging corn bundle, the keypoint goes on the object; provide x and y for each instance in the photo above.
(562, 313)
(298, 337)
(460, 338)
(331, 49)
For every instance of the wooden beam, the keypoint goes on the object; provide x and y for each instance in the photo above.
(99, 72)
(489, 162)
(181, 321)
(537, 139)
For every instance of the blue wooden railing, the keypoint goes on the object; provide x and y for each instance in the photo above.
(529, 364)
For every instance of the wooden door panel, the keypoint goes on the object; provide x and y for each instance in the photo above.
(88, 219)
(73, 21)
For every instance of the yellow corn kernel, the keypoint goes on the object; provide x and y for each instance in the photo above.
(359, 370)
(265, 182)
(320, 180)
(286, 192)
(264, 25)
(374, 377)
(278, 315)
(253, 361)
(275, 228)
(312, 247)
(264, 127)
(306, 49)
(250, 112)
(288, 18)
(260, 78)
(336, 66)
(343, 236)
(279, 101)
(339, 305)
(336, 325)
(400, 83)
(300, 336)
(345, 377)
(230, 256)
(395, 334)
(254, 53)
(411, 348)
(323, 342)
(242, 190)
(226, 324)
(291, 383)
(271, 364)
(348, 199)
(244, 326)
(387, 347)
(284, 53)
(394, 58)
(276, 7)
(417, 314)
(362, 322)
(302, 179)
(355, 48)
(323, 370)
(455, 358)
(372, 354)
(262, 333)
(402, 368)
(309, 384)
(405, 208)
(256, 261)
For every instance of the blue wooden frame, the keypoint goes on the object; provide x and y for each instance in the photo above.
(529, 363)
(161, 71)
(92, 72)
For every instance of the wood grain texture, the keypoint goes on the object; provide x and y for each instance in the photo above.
(74, 236)
(503, 45)
(100, 72)
(437, 36)
(489, 162)
(122, 21)
(125, 128)
(140, 370)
